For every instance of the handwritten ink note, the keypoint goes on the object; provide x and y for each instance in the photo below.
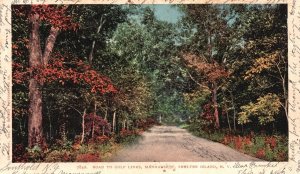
(5, 81)
(294, 87)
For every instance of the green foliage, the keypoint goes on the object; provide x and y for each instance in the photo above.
(266, 108)
(195, 99)
(35, 154)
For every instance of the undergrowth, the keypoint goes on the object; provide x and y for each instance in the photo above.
(259, 145)
(91, 150)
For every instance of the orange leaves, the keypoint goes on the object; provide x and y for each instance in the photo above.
(263, 63)
(76, 146)
(271, 141)
(55, 15)
(261, 153)
(89, 157)
(212, 71)
(102, 139)
(57, 70)
(239, 142)
(261, 146)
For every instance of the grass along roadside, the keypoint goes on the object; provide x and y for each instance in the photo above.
(263, 146)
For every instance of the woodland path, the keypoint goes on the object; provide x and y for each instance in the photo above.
(171, 144)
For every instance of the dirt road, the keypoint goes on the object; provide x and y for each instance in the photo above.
(171, 144)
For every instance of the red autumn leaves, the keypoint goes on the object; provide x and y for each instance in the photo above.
(57, 70)
(210, 70)
(56, 16)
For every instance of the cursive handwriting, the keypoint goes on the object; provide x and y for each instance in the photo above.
(4, 149)
(294, 90)
(4, 105)
(38, 168)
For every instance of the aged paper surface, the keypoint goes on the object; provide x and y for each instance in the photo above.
(292, 166)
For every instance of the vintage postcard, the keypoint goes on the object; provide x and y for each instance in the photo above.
(196, 86)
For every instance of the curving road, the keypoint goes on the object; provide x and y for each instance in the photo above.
(171, 144)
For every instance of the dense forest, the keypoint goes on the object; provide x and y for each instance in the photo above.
(89, 77)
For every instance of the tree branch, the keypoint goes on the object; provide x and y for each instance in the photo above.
(49, 45)
(102, 21)
(203, 86)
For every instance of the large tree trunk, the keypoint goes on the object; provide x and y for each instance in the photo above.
(35, 131)
(35, 128)
(215, 103)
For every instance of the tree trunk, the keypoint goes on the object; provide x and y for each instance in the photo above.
(234, 119)
(105, 118)
(35, 122)
(127, 125)
(124, 124)
(91, 55)
(215, 103)
(83, 126)
(93, 129)
(50, 125)
(159, 118)
(49, 45)
(35, 129)
(285, 96)
(234, 112)
(228, 121)
(62, 131)
(114, 121)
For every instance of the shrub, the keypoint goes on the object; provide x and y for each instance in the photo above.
(89, 157)
(35, 154)
(217, 136)
(60, 156)
(145, 123)
(62, 144)
(265, 147)
(270, 154)
(271, 141)
(238, 143)
(102, 139)
(260, 153)
(97, 124)
(265, 109)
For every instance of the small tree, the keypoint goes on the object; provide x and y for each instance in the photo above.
(265, 108)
